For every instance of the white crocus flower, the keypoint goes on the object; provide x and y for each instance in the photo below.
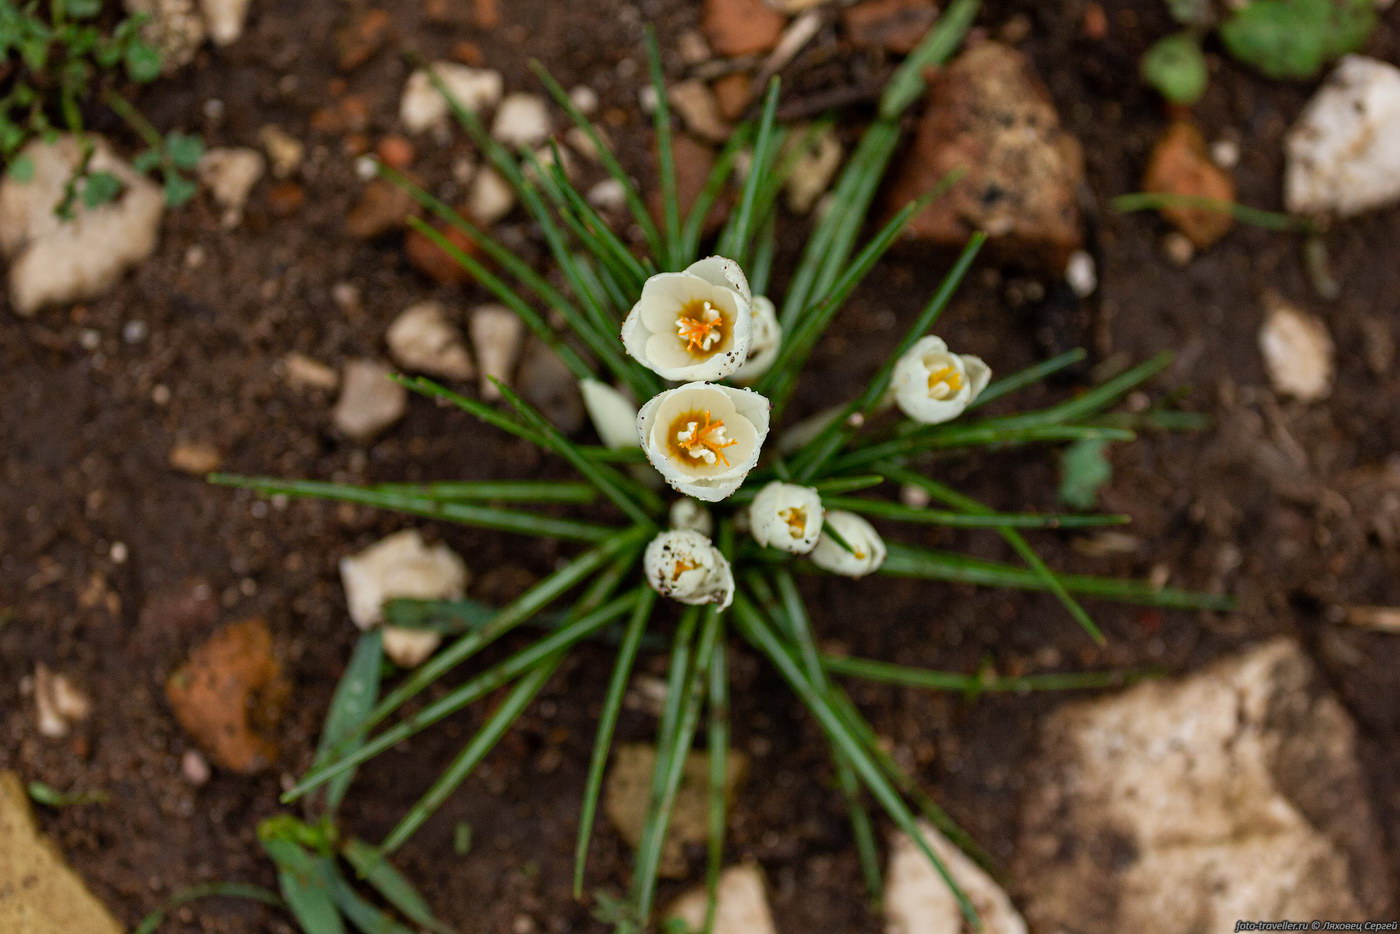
(765, 343)
(786, 516)
(686, 513)
(867, 550)
(686, 566)
(613, 415)
(932, 385)
(692, 325)
(703, 438)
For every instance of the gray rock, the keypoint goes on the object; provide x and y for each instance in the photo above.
(53, 261)
(551, 387)
(1185, 806)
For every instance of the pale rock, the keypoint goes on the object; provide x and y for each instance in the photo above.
(608, 195)
(490, 197)
(230, 175)
(521, 120)
(195, 458)
(423, 340)
(625, 796)
(496, 333)
(174, 27)
(695, 103)
(58, 703)
(580, 142)
(1344, 151)
(402, 566)
(1233, 793)
(741, 904)
(918, 901)
(303, 372)
(1297, 350)
(53, 261)
(369, 400)
(284, 151)
(813, 171)
(423, 108)
(225, 19)
(1081, 274)
(549, 385)
(693, 48)
(792, 7)
(39, 893)
(585, 99)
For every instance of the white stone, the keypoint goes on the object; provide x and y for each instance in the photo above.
(585, 99)
(741, 904)
(57, 702)
(53, 261)
(607, 195)
(813, 171)
(918, 901)
(423, 340)
(695, 103)
(402, 566)
(230, 175)
(1081, 273)
(284, 150)
(225, 19)
(369, 400)
(1297, 350)
(1234, 793)
(497, 333)
(1344, 151)
(490, 197)
(302, 372)
(174, 27)
(521, 120)
(422, 107)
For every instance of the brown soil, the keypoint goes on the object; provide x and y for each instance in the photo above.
(1293, 508)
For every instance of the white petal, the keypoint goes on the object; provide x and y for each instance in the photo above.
(771, 509)
(613, 416)
(910, 382)
(723, 272)
(767, 340)
(869, 547)
(978, 374)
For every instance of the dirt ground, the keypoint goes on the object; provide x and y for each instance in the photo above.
(1293, 508)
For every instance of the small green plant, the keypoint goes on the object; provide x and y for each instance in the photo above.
(58, 60)
(704, 322)
(1278, 38)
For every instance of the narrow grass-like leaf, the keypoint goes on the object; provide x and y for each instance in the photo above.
(709, 194)
(488, 517)
(968, 520)
(907, 84)
(152, 922)
(976, 434)
(718, 736)
(870, 669)
(665, 156)
(740, 229)
(638, 207)
(49, 796)
(363, 916)
(758, 632)
(1269, 220)
(354, 698)
(474, 689)
(607, 722)
(946, 494)
(306, 883)
(927, 563)
(615, 491)
(500, 491)
(1091, 402)
(1027, 377)
(476, 749)
(369, 864)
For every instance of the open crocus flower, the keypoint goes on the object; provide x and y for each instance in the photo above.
(703, 438)
(613, 415)
(763, 346)
(932, 385)
(867, 551)
(786, 516)
(692, 325)
(686, 566)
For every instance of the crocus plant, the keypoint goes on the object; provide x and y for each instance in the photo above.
(687, 367)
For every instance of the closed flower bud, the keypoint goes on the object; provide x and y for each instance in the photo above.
(686, 566)
(613, 416)
(764, 345)
(786, 516)
(932, 385)
(866, 552)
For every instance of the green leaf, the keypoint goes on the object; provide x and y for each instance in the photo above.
(354, 698)
(1191, 12)
(146, 161)
(1295, 38)
(1083, 471)
(306, 881)
(184, 149)
(1176, 67)
(363, 916)
(143, 62)
(257, 893)
(82, 9)
(51, 797)
(22, 170)
(371, 866)
(100, 188)
(178, 190)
